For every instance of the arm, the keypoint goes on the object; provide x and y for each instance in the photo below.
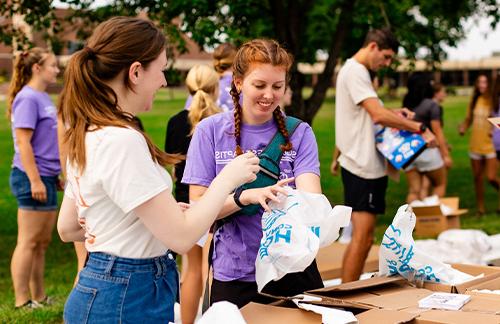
(23, 141)
(334, 167)
(180, 230)
(309, 182)
(67, 223)
(385, 117)
(63, 153)
(248, 197)
(441, 140)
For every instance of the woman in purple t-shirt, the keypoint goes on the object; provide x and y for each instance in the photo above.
(260, 74)
(35, 170)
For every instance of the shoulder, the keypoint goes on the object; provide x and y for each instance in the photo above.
(26, 95)
(221, 120)
(120, 138)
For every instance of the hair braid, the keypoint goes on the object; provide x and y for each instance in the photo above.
(237, 117)
(280, 120)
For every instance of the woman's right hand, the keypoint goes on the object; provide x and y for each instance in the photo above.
(38, 191)
(240, 170)
(461, 129)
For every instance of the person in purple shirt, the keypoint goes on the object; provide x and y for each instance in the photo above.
(261, 71)
(223, 59)
(35, 169)
(496, 113)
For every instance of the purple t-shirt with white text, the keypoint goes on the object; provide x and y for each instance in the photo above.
(34, 110)
(212, 147)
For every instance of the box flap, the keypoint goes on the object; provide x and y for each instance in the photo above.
(254, 313)
(398, 300)
(482, 305)
(493, 284)
(329, 260)
(427, 211)
(456, 317)
(475, 270)
(384, 316)
(452, 202)
(359, 285)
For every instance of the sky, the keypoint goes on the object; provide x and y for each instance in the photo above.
(480, 41)
(479, 35)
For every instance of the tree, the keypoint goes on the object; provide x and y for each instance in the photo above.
(334, 28)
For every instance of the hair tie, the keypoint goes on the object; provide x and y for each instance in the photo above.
(90, 52)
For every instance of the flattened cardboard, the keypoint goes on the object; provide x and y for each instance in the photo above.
(456, 317)
(475, 270)
(254, 313)
(493, 284)
(329, 260)
(431, 221)
(359, 285)
(385, 316)
(398, 300)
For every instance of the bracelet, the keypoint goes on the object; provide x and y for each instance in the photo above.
(236, 197)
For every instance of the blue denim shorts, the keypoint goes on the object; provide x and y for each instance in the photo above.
(111, 289)
(21, 189)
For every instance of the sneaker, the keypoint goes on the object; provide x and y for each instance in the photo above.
(30, 304)
(47, 301)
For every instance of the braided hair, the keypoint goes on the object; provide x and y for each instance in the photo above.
(264, 51)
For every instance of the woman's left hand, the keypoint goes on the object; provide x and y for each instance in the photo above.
(263, 195)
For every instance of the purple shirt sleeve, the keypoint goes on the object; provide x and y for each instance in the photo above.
(307, 160)
(25, 113)
(200, 163)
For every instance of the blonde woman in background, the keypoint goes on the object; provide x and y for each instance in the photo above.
(203, 85)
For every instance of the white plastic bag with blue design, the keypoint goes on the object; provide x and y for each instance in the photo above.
(398, 255)
(294, 231)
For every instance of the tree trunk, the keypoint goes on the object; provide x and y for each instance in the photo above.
(307, 109)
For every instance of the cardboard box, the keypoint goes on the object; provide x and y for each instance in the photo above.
(431, 221)
(490, 273)
(254, 313)
(329, 260)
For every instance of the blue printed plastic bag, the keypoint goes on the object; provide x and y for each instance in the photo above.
(294, 231)
(399, 147)
(398, 255)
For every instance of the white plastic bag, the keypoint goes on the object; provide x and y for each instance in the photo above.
(398, 254)
(294, 231)
(222, 312)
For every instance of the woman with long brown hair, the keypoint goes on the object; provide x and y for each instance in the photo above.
(118, 198)
(35, 171)
(482, 152)
(260, 75)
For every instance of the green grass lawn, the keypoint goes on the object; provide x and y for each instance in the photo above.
(61, 261)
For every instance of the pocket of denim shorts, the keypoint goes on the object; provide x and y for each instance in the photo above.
(19, 184)
(78, 305)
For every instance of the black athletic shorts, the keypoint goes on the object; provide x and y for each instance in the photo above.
(366, 195)
(241, 293)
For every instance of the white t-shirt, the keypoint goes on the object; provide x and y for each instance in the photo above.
(354, 130)
(119, 176)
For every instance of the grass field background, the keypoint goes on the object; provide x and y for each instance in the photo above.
(61, 261)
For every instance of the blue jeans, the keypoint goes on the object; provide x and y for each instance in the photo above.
(120, 290)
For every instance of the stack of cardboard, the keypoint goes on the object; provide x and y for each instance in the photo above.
(390, 300)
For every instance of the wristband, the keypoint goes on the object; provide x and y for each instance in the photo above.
(422, 128)
(236, 197)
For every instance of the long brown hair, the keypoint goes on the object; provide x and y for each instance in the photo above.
(496, 95)
(264, 51)
(87, 100)
(202, 82)
(476, 93)
(22, 72)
